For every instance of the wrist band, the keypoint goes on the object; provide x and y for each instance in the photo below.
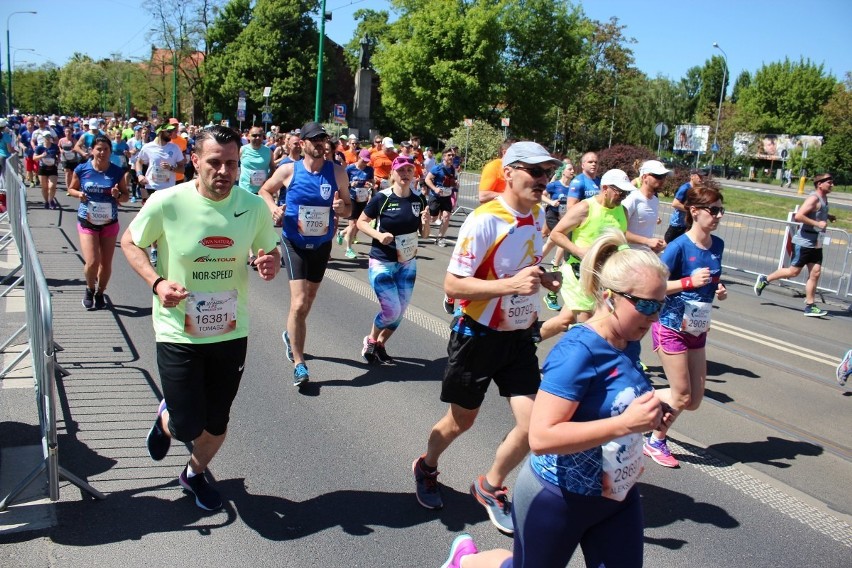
(157, 281)
(686, 283)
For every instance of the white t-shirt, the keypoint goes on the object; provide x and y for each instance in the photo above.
(642, 215)
(153, 156)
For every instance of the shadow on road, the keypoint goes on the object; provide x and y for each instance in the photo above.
(663, 507)
(768, 452)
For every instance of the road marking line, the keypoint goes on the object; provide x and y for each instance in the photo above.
(776, 344)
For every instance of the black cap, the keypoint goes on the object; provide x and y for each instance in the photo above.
(696, 172)
(312, 130)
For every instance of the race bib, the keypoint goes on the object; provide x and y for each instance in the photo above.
(47, 161)
(208, 314)
(159, 175)
(562, 207)
(69, 156)
(406, 246)
(122, 160)
(313, 220)
(446, 191)
(362, 194)
(696, 317)
(99, 213)
(622, 465)
(519, 312)
(257, 177)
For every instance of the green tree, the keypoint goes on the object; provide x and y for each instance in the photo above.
(480, 142)
(787, 97)
(35, 89)
(690, 86)
(80, 86)
(439, 63)
(543, 62)
(712, 75)
(277, 48)
(836, 152)
(743, 81)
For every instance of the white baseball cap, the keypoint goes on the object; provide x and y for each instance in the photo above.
(654, 167)
(387, 142)
(617, 178)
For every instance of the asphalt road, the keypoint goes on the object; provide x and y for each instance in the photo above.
(322, 477)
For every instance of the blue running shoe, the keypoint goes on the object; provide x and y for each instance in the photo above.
(496, 504)
(300, 375)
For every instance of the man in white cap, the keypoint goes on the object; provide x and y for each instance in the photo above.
(494, 271)
(87, 139)
(585, 222)
(643, 208)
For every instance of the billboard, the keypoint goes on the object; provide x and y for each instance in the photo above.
(772, 146)
(691, 138)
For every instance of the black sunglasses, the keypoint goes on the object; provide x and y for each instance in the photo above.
(658, 176)
(644, 306)
(318, 138)
(535, 171)
(714, 210)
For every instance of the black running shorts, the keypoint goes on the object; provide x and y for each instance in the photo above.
(506, 357)
(199, 384)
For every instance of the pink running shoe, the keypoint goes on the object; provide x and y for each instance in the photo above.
(659, 452)
(462, 546)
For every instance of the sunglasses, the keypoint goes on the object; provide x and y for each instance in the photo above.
(829, 180)
(318, 139)
(644, 306)
(714, 211)
(256, 136)
(536, 171)
(658, 176)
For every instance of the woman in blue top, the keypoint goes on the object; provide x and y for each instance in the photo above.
(695, 262)
(100, 186)
(398, 215)
(579, 486)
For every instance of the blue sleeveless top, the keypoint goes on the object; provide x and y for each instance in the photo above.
(309, 218)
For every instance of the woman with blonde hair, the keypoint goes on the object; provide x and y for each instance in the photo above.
(579, 486)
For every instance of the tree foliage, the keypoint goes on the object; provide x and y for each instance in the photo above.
(479, 143)
(787, 97)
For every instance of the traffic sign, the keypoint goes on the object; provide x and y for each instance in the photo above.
(267, 91)
(504, 122)
(714, 148)
(266, 117)
(661, 129)
(241, 114)
(468, 122)
(153, 111)
(339, 115)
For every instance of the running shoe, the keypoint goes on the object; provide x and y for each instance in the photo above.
(659, 452)
(206, 497)
(427, 492)
(300, 375)
(350, 253)
(100, 301)
(462, 546)
(551, 302)
(812, 311)
(339, 238)
(449, 304)
(368, 351)
(382, 355)
(46, 205)
(496, 504)
(133, 199)
(54, 204)
(441, 242)
(760, 284)
(89, 299)
(844, 368)
(286, 338)
(356, 242)
(158, 442)
(153, 257)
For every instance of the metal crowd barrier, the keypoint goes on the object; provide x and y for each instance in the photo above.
(39, 324)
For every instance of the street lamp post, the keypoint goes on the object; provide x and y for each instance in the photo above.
(9, 59)
(721, 98)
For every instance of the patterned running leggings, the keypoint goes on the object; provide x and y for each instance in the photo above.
(393, 283)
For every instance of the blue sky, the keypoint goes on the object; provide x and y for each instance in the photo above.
(672, 35)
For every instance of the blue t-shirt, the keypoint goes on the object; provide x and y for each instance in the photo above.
(583, 187)
(26, 138)
(443, 176)
(309, 198)
(678, 217)
(683, 257)
(395, 215)
(98, 189)
(586, 369)
(558, 192)
(118, 157)
(6, 141)
(51, 158)
(358, 178)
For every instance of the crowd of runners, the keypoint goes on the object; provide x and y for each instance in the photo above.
(262, 201)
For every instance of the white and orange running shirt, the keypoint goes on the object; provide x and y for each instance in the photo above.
(495, 242)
